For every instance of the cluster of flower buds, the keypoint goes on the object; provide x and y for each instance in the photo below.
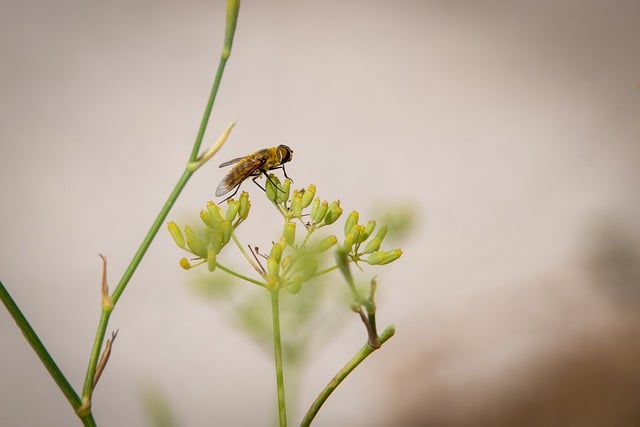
(217, 232)
(355, 236)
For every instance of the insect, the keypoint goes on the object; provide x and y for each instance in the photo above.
(254, 164)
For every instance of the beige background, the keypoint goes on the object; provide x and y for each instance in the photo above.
(512, 126)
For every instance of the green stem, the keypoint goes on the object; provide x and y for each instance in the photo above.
(342, 374)
(46, 359)
(232, 16)
(233, 7)
(126, 277)
(240, 276)
(277, 346)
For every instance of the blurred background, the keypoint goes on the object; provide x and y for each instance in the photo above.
(509, 130)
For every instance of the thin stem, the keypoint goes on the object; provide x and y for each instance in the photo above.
(255, 266)
(342, 374)
(232, 17)
(230, 29)
(240, 276)
(325, 271)
(126, 277)
(277, 346)
(46, 359)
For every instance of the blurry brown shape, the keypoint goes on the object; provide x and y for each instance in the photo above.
(557, 353)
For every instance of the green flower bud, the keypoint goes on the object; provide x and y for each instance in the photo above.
(206, 217)
(293, 286)
(368, 229)
(289, 233)
(214, 210)
(286, 261)
(283, 193)
(382, 231)
(314, 208)
(372, 245)
(276, 253)
(321, 212)
(308, 194)
(358, 233)
(272, 188)
(196, 245)
(352, 220)
(233, 207)
(245, 206)
(273, 268)
(333, 213)
(217, 240)
(325, 243)
(211, 259)
(227, 228)
(384, 257)
(349, 241)
(392, 255)
(296, 204)
(376, 258)
(177, 235)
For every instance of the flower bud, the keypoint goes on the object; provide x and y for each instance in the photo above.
(293, 287)
(196, 245)
(283, 192)
(392, 255)
(289, 233)
(177, 235)
(273, 268)
(325, 243)
(368, 229)
(333, 213)
(382, 231)
(358, 232)
(376, 258)
(206, 218)
(217, 240)
(184, 263)
(349, 240)
(321, 212)
(272, 187)
(214, 210)
(276, 253)
(233, 207)
(245, 206)
(352, 220)
(314, 208)
(384, 257)
(372, 245)
(296, 204)
(308, 194)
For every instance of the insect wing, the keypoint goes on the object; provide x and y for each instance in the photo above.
(246, 167)
(230, 162)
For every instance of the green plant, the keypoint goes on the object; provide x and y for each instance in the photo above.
(295, 258)
(288, 267)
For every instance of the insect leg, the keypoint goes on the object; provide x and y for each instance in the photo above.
(270, 180)
(285, 173)
(232, 194)
(256, 182)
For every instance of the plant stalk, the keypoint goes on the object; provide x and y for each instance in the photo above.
(277, 346)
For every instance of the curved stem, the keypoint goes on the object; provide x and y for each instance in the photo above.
(342, 374)
(277, 346)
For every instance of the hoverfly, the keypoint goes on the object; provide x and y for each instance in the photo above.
(254, 164)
